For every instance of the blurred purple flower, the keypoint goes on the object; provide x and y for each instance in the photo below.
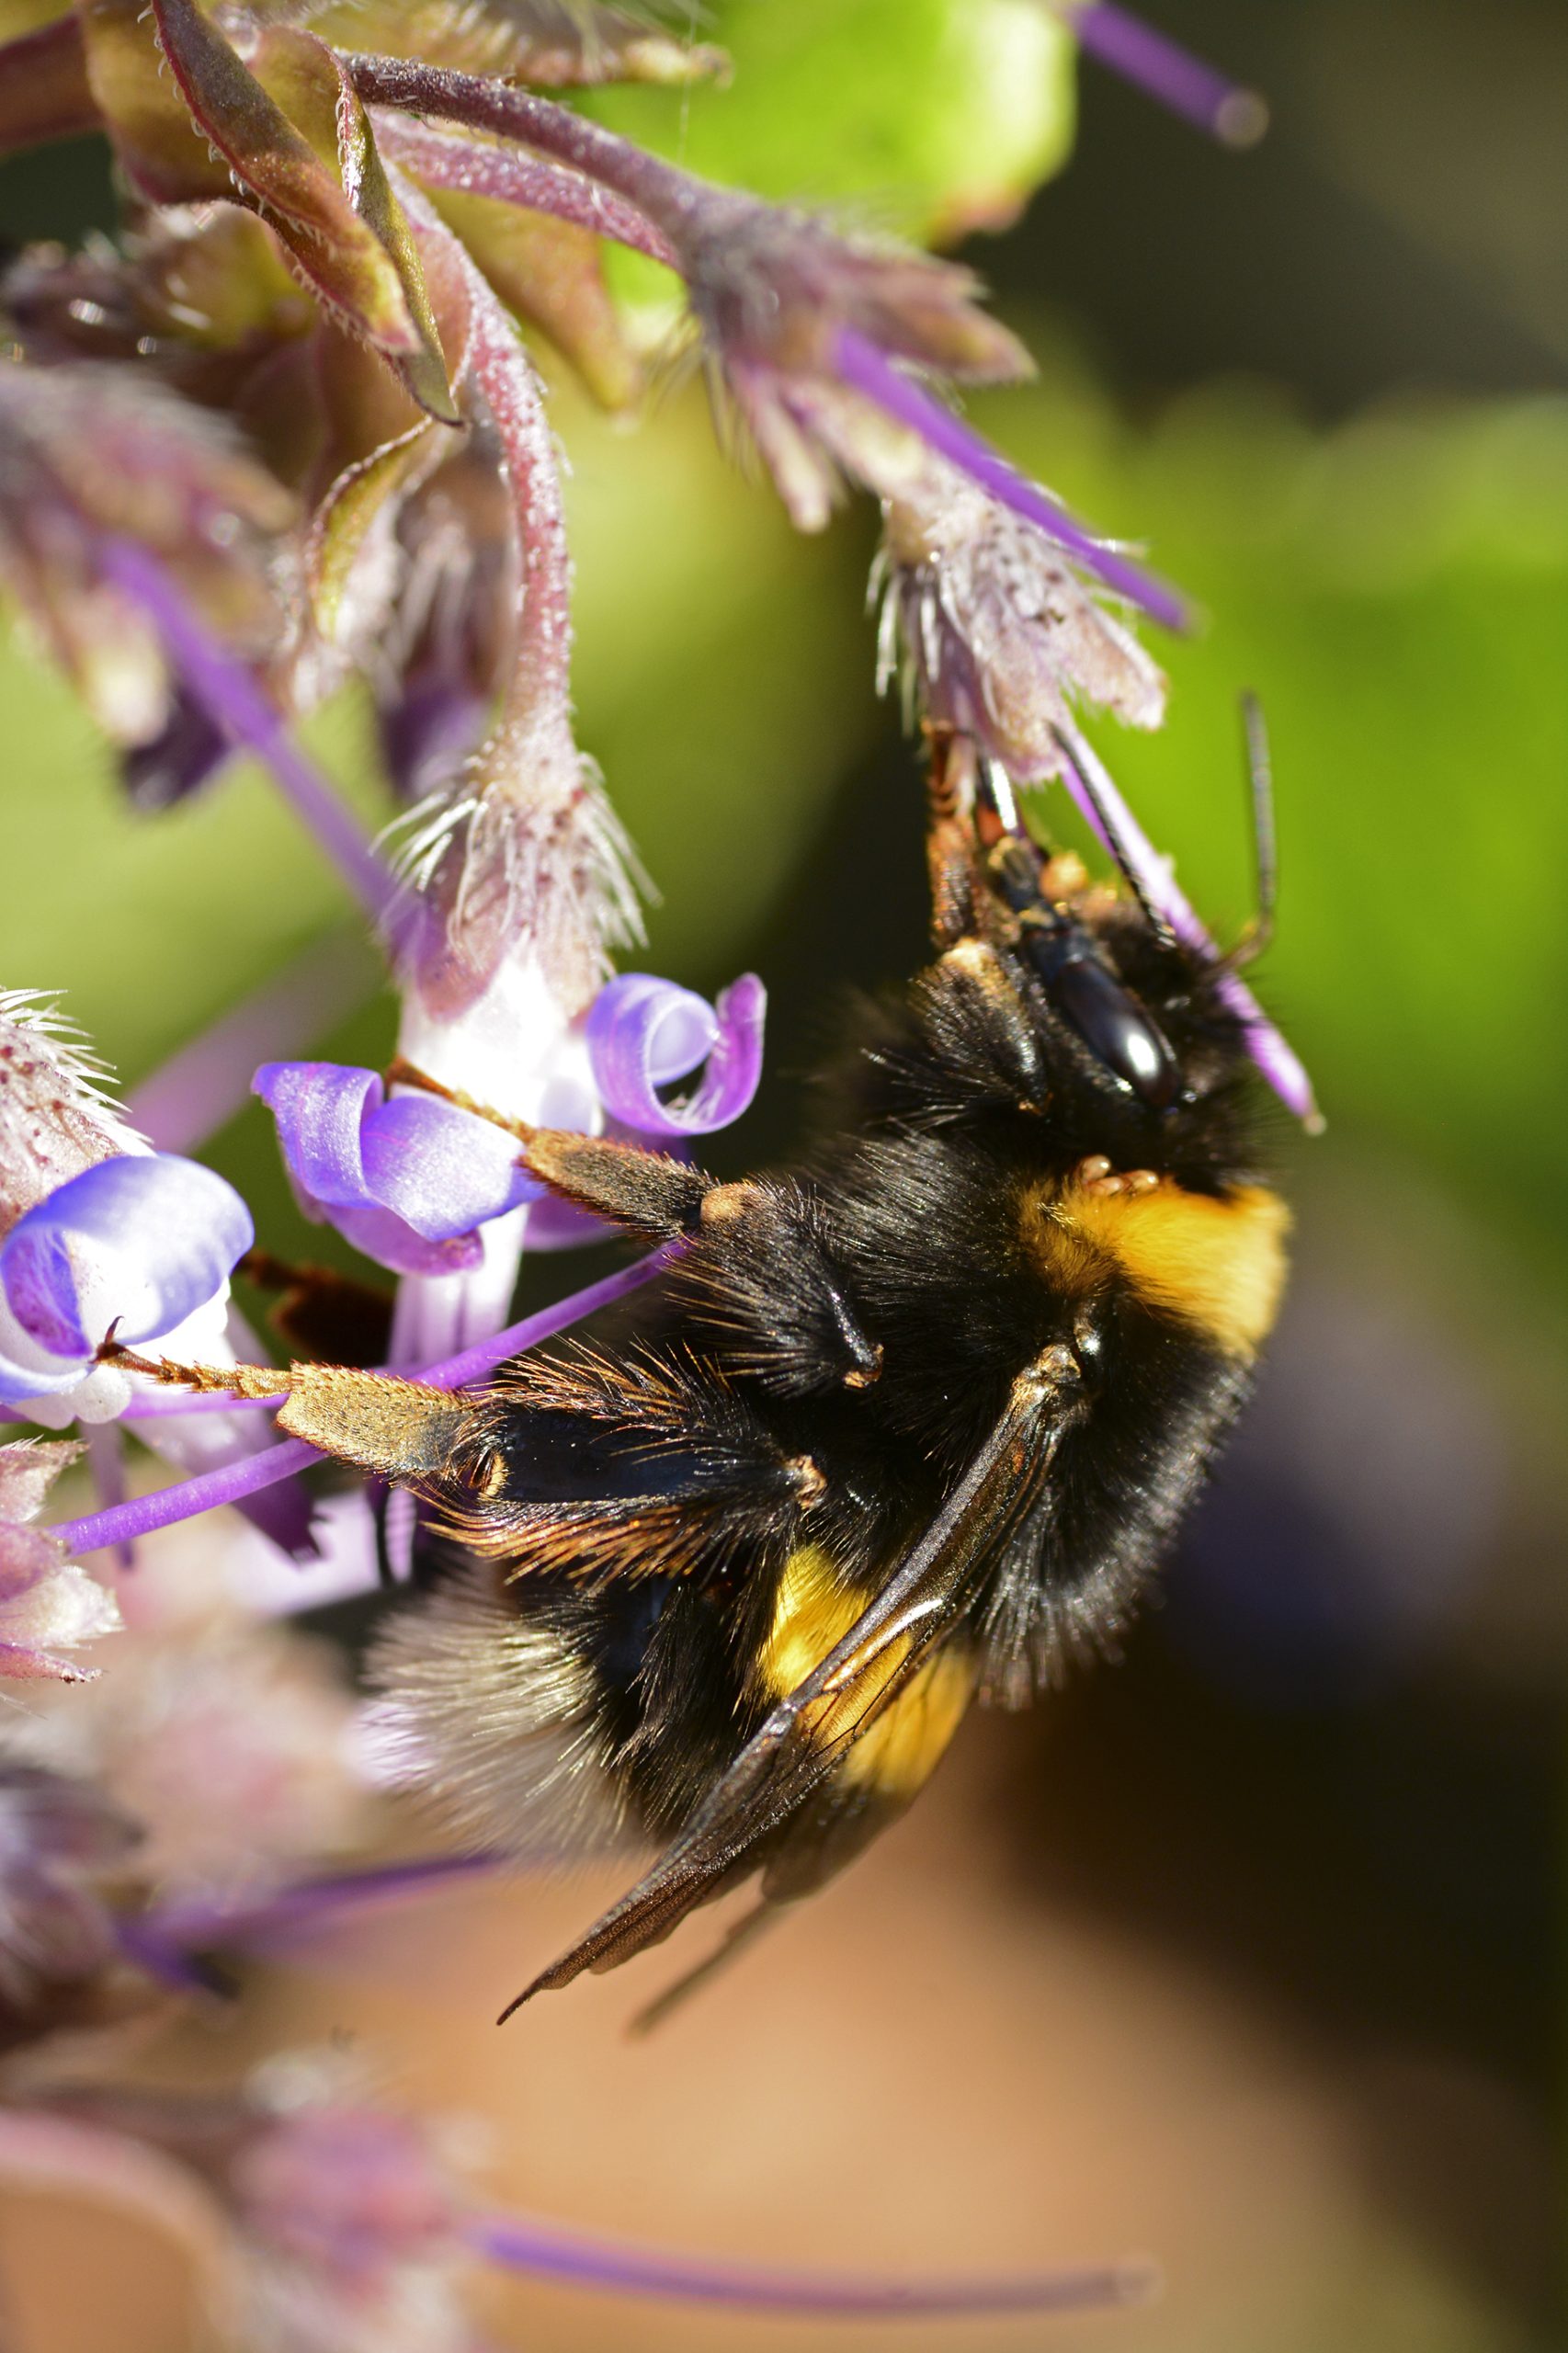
(58, 1939)
(45, 1598)
(141, 1241)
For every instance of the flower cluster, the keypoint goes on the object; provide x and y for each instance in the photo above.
(281, 436)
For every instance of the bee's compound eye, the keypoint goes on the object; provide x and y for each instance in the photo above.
(1115, 1027)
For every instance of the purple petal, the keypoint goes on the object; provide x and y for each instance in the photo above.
(642, 1032)
(143, 1238)
(441, 1170)
(320, 1109)
(20, 1381)
(385, 1237)
(407, 1180)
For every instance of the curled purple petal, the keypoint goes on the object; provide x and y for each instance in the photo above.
(320, 1108)
(1237, 117)
(407, 1180)
(871, 371)
(142, 1240)
(524, 2243)
(643, 1032)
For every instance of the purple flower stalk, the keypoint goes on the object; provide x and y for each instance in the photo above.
(525, 2244)
(1237, 117)
(226, 691)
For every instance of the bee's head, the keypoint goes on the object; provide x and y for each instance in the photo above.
(1135, 1028)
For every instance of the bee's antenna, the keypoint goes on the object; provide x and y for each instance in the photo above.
(1259, 931)
(1086, 767)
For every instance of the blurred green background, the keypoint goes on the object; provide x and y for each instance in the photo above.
(1325, 383)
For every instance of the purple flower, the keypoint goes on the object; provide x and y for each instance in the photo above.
(407, 1179)
(141, 1240)
(412, 1181)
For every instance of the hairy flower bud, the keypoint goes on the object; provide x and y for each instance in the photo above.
(996, 631)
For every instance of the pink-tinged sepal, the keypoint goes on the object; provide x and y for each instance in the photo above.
(47, 1602)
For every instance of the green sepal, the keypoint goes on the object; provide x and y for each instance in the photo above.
(364, 493)
(297, 140)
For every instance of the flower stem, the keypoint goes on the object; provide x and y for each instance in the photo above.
(470, 167)
(669, 196)
(232, 700)
(1237, 117)
(524, 2243)
(871, 371)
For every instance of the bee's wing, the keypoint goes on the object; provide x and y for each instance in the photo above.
(811, 1731)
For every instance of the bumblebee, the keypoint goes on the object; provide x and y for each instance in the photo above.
(906, 1426)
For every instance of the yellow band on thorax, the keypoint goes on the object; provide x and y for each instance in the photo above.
(1216, 1261)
